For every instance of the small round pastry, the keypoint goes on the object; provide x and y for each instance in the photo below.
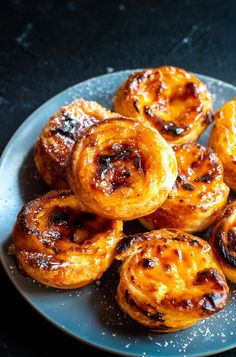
(198, 195)
(58, 136)
(223, 241)
(174, 101)
(223, 140)
(59, 245)
(122, 169)
(169, 280)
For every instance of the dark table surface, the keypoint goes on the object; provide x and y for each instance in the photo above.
(48, 46)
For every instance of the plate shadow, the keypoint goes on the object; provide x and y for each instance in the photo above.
(30, 183)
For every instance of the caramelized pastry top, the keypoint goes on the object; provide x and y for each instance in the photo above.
(174, 101)
(198, 194)
(122, 169)
(169, 279)
(223, 140)
(223, 241)
(60, 245)
(59, 135)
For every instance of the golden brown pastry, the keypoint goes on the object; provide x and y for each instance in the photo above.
(169, 280)
(174, 101)
(58, 136)
(59, 245)
(223, 241)
(122, 169)
(223, 140)
(198, 195)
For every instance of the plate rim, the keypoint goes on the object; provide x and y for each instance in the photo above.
(21, 127)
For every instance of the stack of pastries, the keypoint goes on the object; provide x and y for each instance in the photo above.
(139, 162)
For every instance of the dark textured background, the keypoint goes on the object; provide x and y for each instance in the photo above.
(47, 46)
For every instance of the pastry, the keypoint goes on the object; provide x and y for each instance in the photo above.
(197, 196)
(122, 169)
(223, 140)
(60, 245)
(223, 241)
(58, 136)
(173, 100)
(169, 280)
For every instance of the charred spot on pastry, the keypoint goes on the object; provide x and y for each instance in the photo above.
(120, 178)
(123, 245)
(232, 240)
(178, 253)
(157, 316)
(187, 186)
(198, 146)
(166, 267)
(173, 129)
(147, 263)
(57, 250)
(127, 242)
(222, 248)
(191, 89)
(209, 275)
(180, 178)
(228, 257)
(68, 128)
(211, 303)
(219, 233)
(139, 78)
(228, 211)
(194, 242)
(186, 304)
(88, 216)
(78, 222)
(118, 152)
(205, 178)
(113, 167)
(208, 118)
(136, 105)
(60, 218)
(159, 249)
(165, 245)
(195, 164)
(203, 276)
(127, 296)
(169, 128)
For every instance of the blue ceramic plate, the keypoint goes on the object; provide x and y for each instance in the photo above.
(91, 314)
